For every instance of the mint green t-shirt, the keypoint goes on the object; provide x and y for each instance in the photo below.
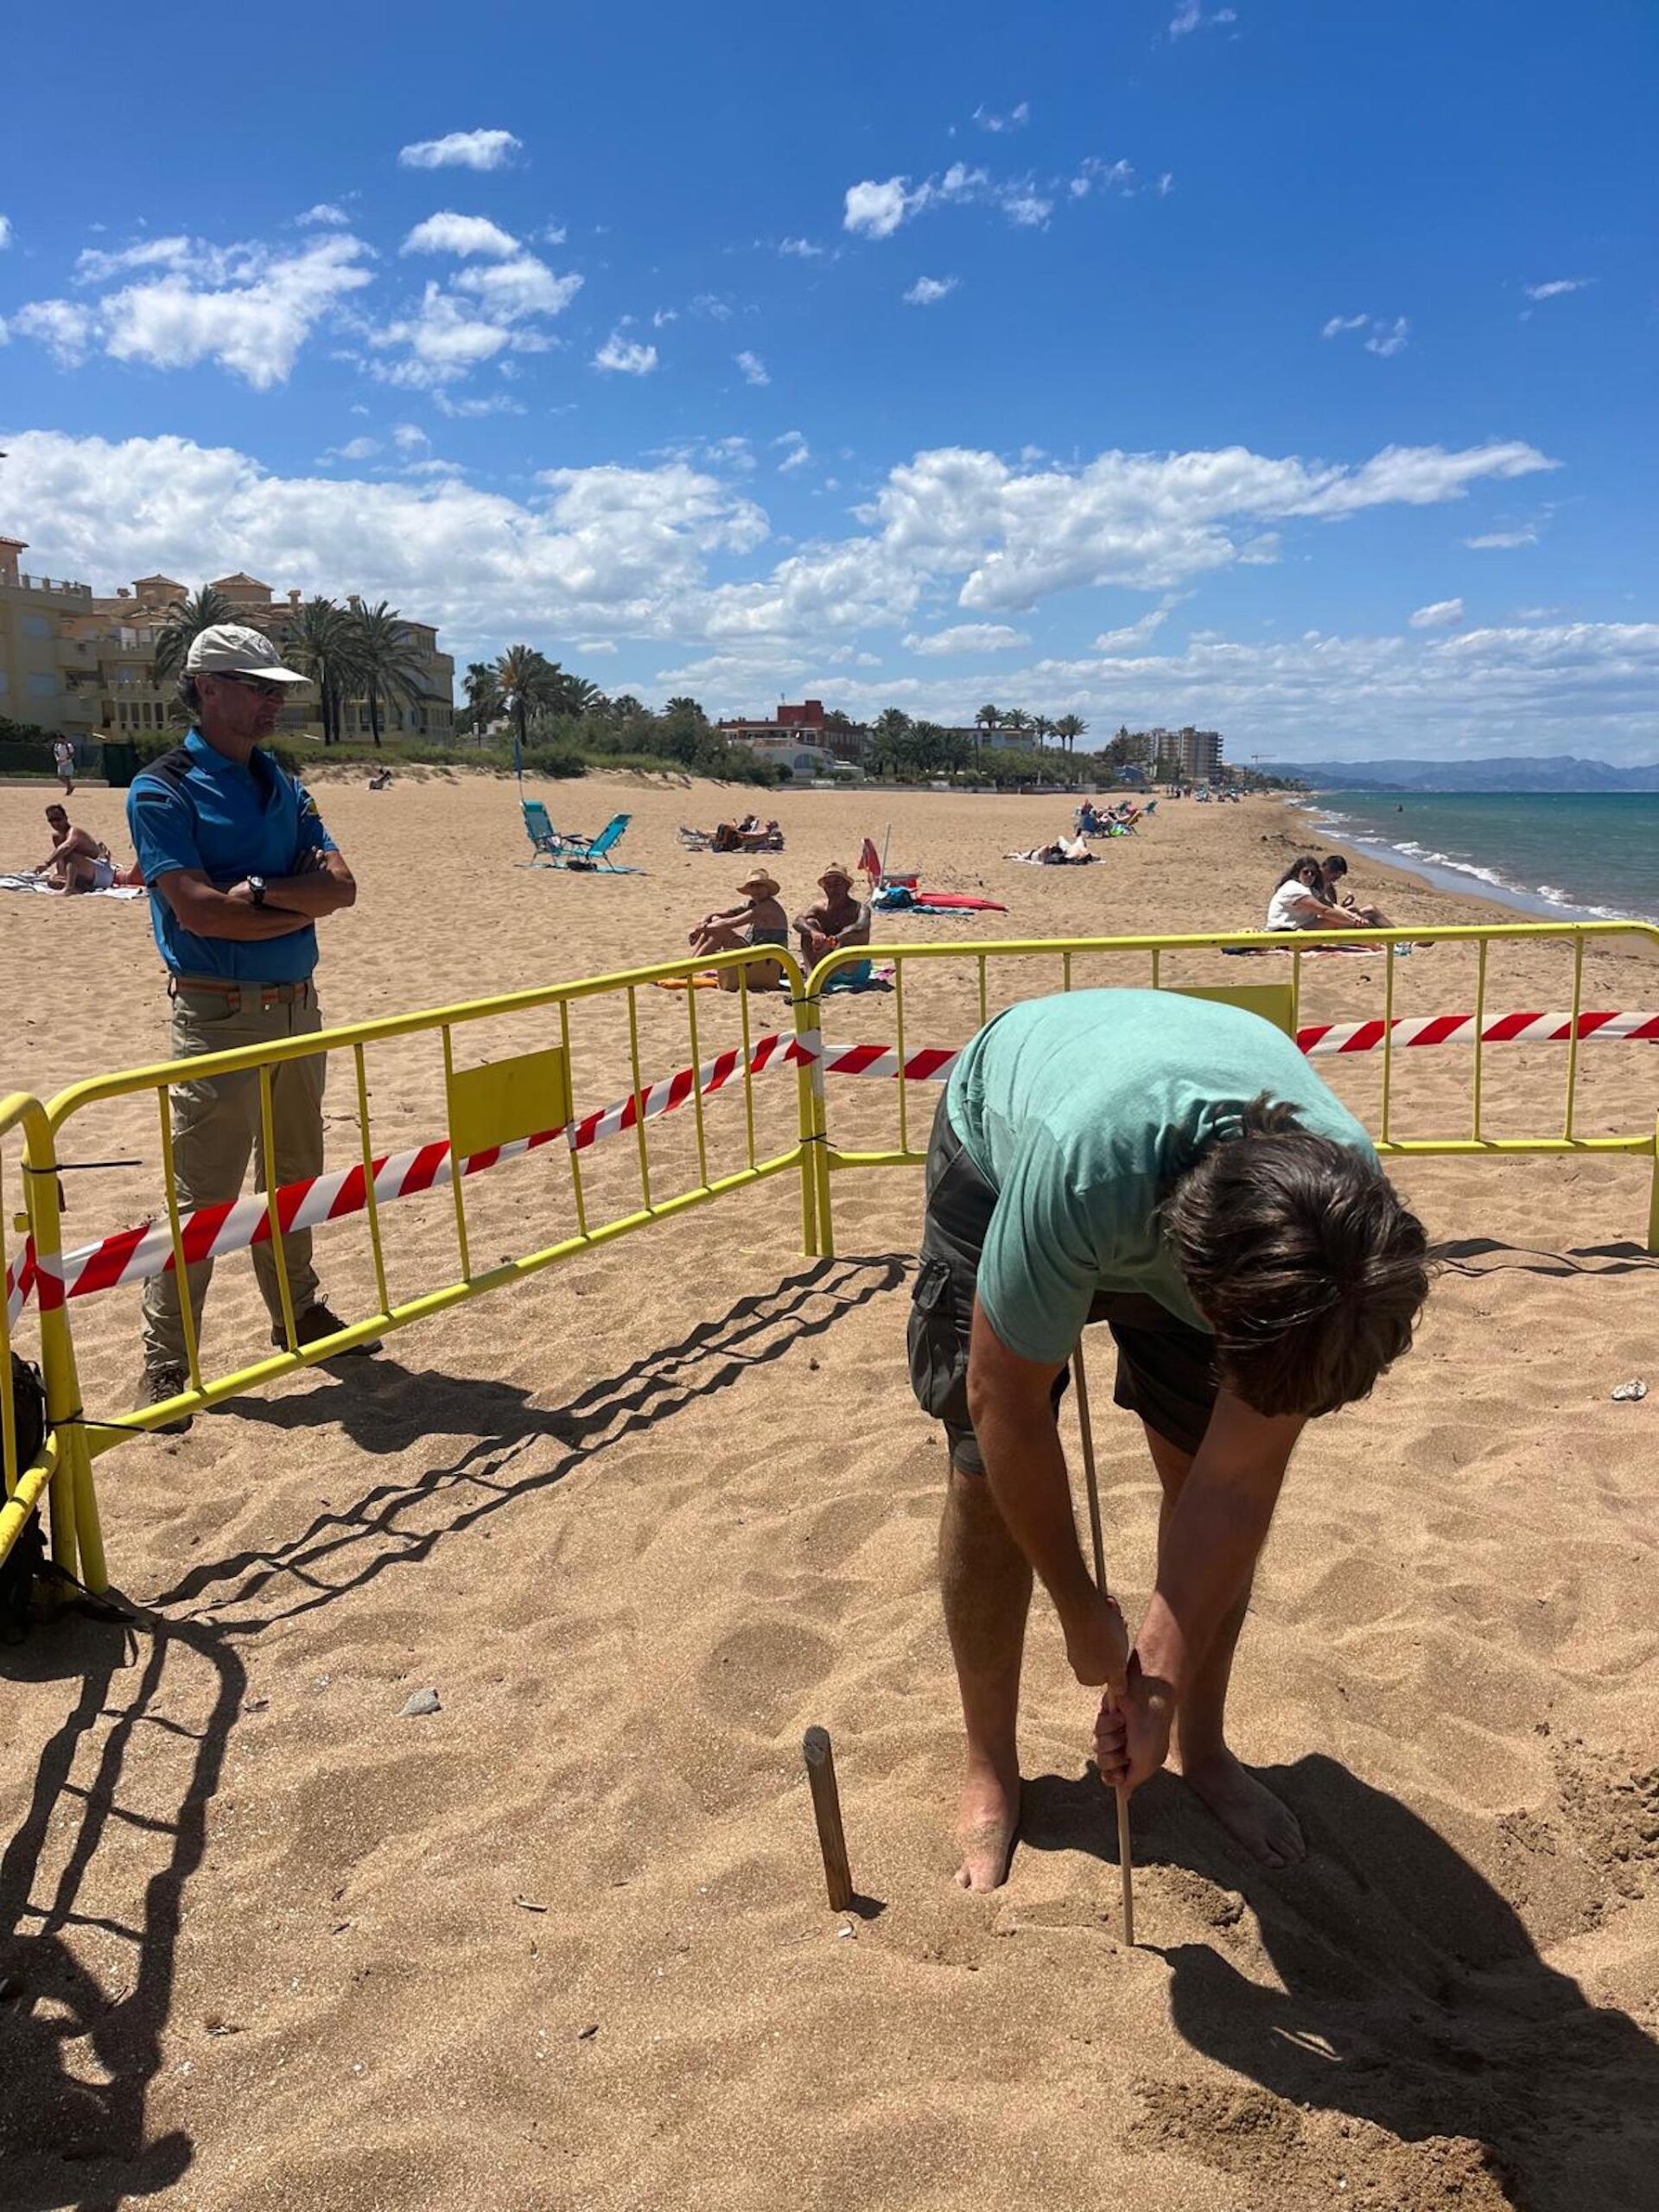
(1081, 1111)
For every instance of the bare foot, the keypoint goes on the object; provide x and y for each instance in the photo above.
(1247, 1809)
(986, 1829)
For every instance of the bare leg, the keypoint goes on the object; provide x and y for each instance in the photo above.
(1249, 1811)
(986, 1584)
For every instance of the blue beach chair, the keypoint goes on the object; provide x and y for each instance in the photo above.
(584, 854)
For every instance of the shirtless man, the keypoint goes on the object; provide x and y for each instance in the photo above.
(837, 920)
(1175, 1168)
(77, 860)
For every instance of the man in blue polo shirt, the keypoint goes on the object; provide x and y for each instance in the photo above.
(240, 869)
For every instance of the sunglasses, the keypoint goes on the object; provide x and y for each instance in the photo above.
(256, 684)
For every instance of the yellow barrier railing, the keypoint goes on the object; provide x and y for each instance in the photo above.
(61, 1470)
(1158, 953)
(503, 1102)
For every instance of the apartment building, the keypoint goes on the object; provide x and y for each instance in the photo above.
(74, 663)
(802, 726)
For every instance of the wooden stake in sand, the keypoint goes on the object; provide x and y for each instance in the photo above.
(1126, 1863)
(826, 1811)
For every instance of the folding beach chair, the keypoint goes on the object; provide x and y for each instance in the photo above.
(568, 850)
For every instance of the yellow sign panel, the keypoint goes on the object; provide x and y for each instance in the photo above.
(507, 1099)
(1275, 1002)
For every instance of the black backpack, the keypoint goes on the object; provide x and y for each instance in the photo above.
(26, 1563)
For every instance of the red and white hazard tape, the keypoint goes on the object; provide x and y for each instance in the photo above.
(213, 1231)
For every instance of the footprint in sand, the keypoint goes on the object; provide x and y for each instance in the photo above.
(756, 1677)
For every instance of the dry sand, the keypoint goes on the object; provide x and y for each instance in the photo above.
(641, 1518)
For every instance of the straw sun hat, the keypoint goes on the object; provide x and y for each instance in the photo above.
(837, 874)
(760, 885)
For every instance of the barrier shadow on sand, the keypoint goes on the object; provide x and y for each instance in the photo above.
(387, 1409)
(1412, 1995)
(1458, 1254)
(79, 2048)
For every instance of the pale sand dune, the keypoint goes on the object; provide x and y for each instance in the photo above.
(642, 1518)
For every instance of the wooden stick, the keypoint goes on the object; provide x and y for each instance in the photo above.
(1125, 1857)
(826, 1811)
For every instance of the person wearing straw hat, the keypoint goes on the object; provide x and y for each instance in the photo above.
(1174, 1167)
(240, 870)
(759, 920)
(838, 919)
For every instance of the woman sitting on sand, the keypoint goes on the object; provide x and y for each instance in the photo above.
(1333, 869)
(759, 920)
(1298, 901)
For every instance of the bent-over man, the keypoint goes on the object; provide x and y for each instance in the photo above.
(240, 869)
(1174, 1167)
(77, 861)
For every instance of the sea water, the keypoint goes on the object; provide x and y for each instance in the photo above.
(1592, 854)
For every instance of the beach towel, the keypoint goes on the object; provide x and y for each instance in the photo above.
(39, 883)
(1037, 858)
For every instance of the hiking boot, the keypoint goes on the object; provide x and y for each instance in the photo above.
(319, 1321)
(161, 1383)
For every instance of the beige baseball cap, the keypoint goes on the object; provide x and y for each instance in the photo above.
(233, 649)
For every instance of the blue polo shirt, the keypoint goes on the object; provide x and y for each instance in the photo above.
(231, 822)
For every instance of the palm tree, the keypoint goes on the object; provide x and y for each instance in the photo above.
(526, 679)
(988, 719)
(578, 696)
(1017, 720)
(322, 644)
(1042, 729)
(390, 664)
(1069, 728)
(186, 620)
(683, 704)
(483, 692)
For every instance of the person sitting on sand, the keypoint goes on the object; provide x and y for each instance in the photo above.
(837, 920)
(759, 920)
(1333, 871)
(1298, 901)
(380, 780)
(1175, 1168)
(77, 861)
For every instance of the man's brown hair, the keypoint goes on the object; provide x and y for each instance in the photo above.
(1304, 1260)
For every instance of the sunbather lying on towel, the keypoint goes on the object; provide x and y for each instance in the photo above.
(1064, 852)
(759, 920)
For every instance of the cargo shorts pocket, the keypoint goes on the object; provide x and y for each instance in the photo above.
(939, 1357)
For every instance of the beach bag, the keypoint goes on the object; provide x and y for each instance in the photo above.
(26, 1563)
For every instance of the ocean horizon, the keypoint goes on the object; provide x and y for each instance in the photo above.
(1568, 855)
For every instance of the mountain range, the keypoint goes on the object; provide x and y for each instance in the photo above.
(1560, 771)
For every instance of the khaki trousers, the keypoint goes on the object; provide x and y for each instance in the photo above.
(216, 1127)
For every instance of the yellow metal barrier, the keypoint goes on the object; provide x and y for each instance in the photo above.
(62, 1470)
(485, 1107)
(1279, 1002)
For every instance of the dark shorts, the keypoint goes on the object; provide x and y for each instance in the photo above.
(1166, 1370)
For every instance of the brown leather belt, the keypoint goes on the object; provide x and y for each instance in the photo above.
(237, 995)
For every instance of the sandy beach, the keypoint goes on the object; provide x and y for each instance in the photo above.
(643, 1518)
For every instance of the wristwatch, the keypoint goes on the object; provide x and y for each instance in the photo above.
(256, 885)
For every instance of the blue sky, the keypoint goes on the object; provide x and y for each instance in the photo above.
(1287, 369)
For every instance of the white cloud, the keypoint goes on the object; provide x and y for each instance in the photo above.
(796, 451)
(1015, 119)
(353, 450)
(1190, 16)
(1096, 176)
(519, 287)
(469, 409)
(62, 327)
(711, 305)
(325, 211)
(462, 149)
(1133, 634)
(1496, 541)
(875, 211)
(5, 232)
(966, 638)
(443, 338)
(250, 308)
(409, 437)
(553, 234)
(801, 249)
(1165, 184)
(928, 290)
(753, 368)
(1387, 339)
(448, 233)
(625, 356)
(1555, 288)
(663, 316)
(1443, 615)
